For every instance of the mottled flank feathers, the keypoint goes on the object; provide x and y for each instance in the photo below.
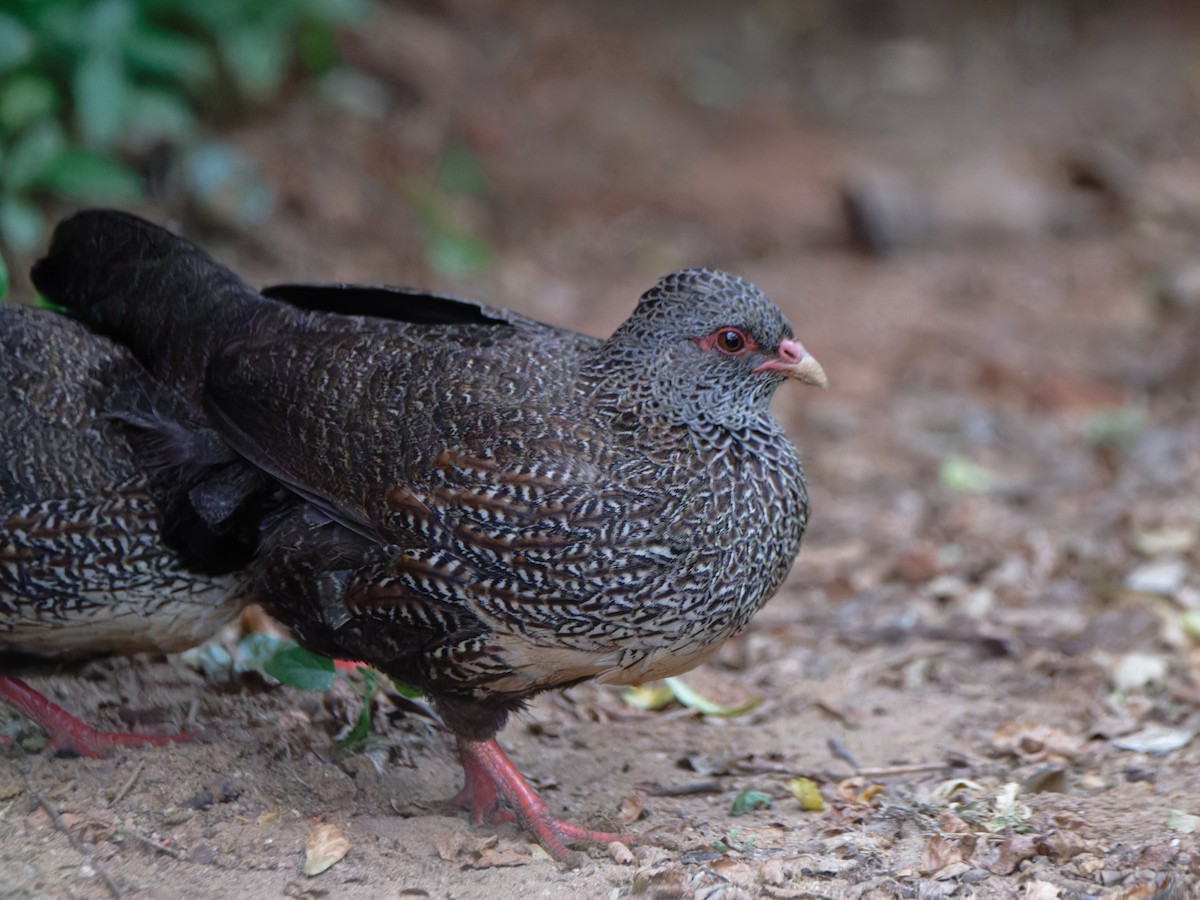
(83, 566)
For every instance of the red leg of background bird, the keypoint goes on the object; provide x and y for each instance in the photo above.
(484, 762)
(67, 732)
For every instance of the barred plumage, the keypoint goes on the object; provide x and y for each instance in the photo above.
(492, 506)
(84, 570)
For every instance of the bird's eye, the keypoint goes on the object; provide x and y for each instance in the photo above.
(730, 340)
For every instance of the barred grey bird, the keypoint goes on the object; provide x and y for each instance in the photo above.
(493, 506)
(85, 566)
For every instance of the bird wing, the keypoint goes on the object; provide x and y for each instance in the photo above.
(389, 302)
(457, 446)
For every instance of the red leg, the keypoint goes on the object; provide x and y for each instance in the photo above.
(65, 730)
(492, 776)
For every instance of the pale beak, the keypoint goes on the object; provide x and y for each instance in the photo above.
(796, 362)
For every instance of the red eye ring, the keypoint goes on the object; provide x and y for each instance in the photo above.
(730, 340)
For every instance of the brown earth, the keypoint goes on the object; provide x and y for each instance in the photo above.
(999, 595)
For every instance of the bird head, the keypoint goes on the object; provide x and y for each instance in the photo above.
(709, 347)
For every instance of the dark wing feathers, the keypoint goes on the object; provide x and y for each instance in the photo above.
(397, 304)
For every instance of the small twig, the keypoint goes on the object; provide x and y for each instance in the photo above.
(909, 769)
(41, 801)
(838, 749)
(153, 845)
(683, 790)
(128, 786)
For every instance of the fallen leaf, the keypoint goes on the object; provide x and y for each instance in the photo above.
(1161, 576)
(1139, 672)
(1041, 890)
(1184, 823)
(694, 700)
(1008, 854)
(1156, 739)
(451, 845)
(966, 476)
(806, 791)
(748, 801)
(1034, 741)
(631, 809)
(1161, 541)
(952, 871)
(648, 696)
(323, 847)
(937, 854)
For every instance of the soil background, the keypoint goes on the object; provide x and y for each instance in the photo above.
(982, 218)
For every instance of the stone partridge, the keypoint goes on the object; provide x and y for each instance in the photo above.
(85, 566)
(494, 506)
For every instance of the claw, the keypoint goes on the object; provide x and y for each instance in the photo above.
(491, 777)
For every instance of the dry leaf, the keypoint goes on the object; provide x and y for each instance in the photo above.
(451, 845)
(1041, 890)
(939, 853)
(1008, 854)
(952, 871)
(1155, 739)
(631, 809)
(323, 847)
(1034, 742)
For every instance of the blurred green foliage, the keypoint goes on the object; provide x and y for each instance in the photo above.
(87, 86)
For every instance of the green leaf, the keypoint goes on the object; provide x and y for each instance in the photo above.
(734, 841)
(257, 59)
(1182, 822)
(457, 255)
(3, 278)
(42, 303)
(337, 12)
(154, 115)
(99, 88)
(362, 727)
(655, 695)
(25, 99)
(317, 47)
(21, 224)
(965, 476)
(108, 22)
(296, 667)
(405, 691)
(16, 43)
(170, 55)
(31, 154)
(461, 173)
(693, 700)
(748, 801)
(1116, 428)
(83, 175)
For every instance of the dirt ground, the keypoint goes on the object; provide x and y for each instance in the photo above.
(982, 218)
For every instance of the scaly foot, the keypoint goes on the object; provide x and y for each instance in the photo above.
(68, 733)
(491, 777)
